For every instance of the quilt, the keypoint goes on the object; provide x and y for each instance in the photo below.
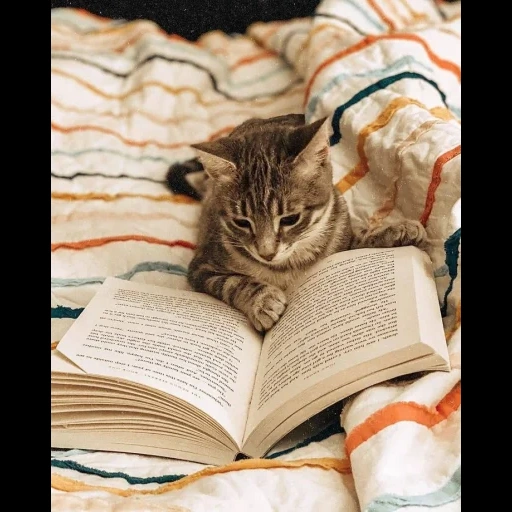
(128, 99)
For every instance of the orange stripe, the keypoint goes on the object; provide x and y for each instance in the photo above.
(92, 196)
(107, 131)
(142, 31)
(131, 142)
(154, 119)
(360, 170)
(54, 344)
(367, 41)
(171, 90)
(382, 14)
(436, 180)
(98, 242)
(266, 54)
(403, 411)
(152, 83)
(342, 466)
(165, 121)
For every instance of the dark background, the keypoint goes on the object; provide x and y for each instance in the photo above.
(191, 18)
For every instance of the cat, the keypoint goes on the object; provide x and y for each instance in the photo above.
(270, 212)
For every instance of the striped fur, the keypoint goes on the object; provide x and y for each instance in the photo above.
(270, 212)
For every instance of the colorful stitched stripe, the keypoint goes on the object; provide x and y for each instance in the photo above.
(369, 40)
(448, 493)
(436, 180)
(94, 196)
(65, 312)
(146, 266)
(98, 242)
(367, 91)
(402, 411)
(342, 466)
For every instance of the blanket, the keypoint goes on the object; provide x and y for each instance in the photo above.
(127, 101)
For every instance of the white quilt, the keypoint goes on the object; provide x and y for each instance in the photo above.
(128, 100)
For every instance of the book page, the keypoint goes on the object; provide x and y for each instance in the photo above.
(183, 343)
(353, 307)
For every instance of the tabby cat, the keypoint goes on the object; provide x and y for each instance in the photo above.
(270, 211)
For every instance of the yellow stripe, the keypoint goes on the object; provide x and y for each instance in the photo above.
(67, 196)
(360, 170)
(443, 114)
(342, 466)
(174, 91)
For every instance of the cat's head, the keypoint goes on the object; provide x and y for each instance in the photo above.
(271, 183)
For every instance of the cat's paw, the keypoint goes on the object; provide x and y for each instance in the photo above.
(408, 232)
(266, 308)
(400, 234)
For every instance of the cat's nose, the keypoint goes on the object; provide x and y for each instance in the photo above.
(268, 256)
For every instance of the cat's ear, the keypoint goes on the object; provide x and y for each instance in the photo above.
(313, 141)
(216, 159)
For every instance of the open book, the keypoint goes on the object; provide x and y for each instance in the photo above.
(174, 373)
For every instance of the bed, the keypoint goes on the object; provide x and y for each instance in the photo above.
(127, 101)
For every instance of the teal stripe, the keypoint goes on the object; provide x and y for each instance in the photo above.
(368, 91)
(114, 152)
(369, 18)
(71, 464)
(145, 266)
(375, 73)
(134, 480)
(449, 493)
(451, 249)
(65, 312)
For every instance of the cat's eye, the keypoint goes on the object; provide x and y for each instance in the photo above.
(290, 220)
(242, 223)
